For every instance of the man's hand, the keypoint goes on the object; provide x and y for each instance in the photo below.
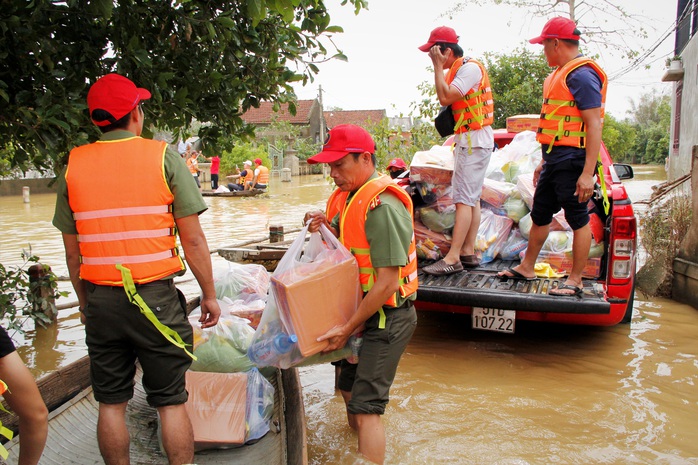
(210, 312)
(316, 218)
(536, 172)
(437, 58)
(585, 188)
(337, 337)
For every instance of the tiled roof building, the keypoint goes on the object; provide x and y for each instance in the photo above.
(359, 117)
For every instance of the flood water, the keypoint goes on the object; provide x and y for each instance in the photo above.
(547, 394)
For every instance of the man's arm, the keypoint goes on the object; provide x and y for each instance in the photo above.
(446, 93)
(254, 178)
(72, 258)
(585, 183)
(387, 283)
(199, 260)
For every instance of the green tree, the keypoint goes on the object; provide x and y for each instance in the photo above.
(235, 157)
(517, 83)
(619, 137)
(393, 143)
(202, 60)
(651, 118)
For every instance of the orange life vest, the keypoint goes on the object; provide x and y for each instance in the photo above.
(122, 208)
(352, 222)
(193, 165)
(249, 176)
(476, 109)
(560, 119)
(263, 177)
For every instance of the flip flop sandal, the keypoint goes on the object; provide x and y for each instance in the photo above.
(576, 291)
(441, 268)
(516, 275)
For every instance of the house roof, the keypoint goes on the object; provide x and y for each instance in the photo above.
(265, 114)
(358, 117)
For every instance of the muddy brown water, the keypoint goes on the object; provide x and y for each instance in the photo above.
(547, 394)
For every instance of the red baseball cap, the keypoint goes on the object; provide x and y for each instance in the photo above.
(558, 28)
(343, 140)
(257, 161)
(397, 163)
(440, 34)
(116, 94)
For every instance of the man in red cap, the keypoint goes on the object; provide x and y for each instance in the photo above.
(569, 131)
(120, 201)
(396, 167)
(372, 216)
(260, 179)
(466, 89)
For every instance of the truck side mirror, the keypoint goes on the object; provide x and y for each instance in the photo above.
(623, 171)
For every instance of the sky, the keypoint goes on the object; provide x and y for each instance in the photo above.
(385, 67)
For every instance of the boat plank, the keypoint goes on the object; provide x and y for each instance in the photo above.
(72, 436)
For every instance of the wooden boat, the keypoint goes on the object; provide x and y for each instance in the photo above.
(267, 255)
(248, 193)
(72, 437)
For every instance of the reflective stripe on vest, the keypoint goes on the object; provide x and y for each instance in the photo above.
(121, 204)
(353, 234)
(476, 109)
(560, 119)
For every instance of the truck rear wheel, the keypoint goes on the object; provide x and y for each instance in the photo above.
(629, 310)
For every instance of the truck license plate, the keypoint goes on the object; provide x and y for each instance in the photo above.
(494, 319)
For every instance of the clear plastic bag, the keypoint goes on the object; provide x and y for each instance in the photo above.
(221, 348)
(514, 245)
(491, 235)
(240, 281)
(315, 287)
(260, 405)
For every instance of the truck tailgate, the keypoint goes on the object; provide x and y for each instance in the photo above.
(481, 287)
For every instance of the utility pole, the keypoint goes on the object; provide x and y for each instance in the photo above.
(323, 137)
(322, 114)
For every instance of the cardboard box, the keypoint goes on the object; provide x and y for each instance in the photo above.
(315, 298)
(520, 123)
(431, 174)
(216, 406)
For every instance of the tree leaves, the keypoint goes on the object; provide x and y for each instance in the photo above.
(202, 60)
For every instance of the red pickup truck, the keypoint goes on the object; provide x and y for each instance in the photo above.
(497, 303)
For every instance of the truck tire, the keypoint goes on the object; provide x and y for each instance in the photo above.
(629, 310)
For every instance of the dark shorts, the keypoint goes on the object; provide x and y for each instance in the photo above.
(6, 344)
(117, 334)
(369, 381)
(555, 190)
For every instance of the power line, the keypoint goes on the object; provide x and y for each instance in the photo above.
(638, 61)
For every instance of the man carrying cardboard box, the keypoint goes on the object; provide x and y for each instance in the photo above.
(372, 217)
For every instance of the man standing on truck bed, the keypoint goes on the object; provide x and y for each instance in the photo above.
(569, 131)
(466, 88)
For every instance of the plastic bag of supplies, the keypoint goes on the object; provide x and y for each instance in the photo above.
(314, 288)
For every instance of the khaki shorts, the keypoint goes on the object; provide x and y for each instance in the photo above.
(369, 381)
(469, 174)
(117, 334)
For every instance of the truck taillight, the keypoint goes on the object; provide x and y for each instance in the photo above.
(623, 251)
(623, 247)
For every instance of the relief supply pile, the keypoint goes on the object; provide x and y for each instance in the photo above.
(506, 201)
(314, 288)
(230, 402)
